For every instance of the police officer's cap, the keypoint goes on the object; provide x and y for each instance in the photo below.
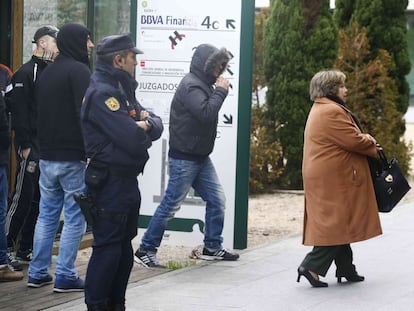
(117, 43)
(45, 30)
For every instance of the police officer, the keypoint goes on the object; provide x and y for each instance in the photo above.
(117, 132)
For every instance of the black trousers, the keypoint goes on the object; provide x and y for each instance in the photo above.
(24, 205)
(321, 257)
(112, 256)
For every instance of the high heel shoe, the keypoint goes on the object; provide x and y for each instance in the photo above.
(314, 282)
(351, 278)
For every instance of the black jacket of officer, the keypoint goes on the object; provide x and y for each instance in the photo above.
(109, 115)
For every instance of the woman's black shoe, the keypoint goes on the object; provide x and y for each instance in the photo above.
(351, 278)
(314, 282)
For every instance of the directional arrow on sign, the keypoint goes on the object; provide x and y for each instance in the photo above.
(228, 119)
(230, 23)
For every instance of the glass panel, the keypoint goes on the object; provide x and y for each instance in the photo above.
(111, 17)
(72, 11)
(49, 12)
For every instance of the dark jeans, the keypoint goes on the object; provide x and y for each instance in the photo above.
(112, 256)
(321, 257)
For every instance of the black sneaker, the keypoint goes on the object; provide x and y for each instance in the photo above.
(36, 283)
(14, 264)
(222, 254)
(24, 256)
(147, 259)
(64, 285)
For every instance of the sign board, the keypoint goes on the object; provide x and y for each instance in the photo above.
(168, 32)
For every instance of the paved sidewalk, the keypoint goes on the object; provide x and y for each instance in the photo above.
(265, 278)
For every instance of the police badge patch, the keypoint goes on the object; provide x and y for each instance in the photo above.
(112, 103)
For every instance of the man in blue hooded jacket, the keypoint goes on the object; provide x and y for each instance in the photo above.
(59, 93)
(193, 130)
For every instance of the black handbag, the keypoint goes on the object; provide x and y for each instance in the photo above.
(390, 185)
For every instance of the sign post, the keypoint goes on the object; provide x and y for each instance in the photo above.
(168, 32)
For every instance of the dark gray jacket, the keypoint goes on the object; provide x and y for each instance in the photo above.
(196, 104)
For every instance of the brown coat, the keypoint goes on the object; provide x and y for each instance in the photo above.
(340, 204)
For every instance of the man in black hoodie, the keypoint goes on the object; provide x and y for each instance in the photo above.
(59, 95)
(193, 130)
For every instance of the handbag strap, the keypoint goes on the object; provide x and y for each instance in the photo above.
(383, 158)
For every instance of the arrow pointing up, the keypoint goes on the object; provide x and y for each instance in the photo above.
(229, 23)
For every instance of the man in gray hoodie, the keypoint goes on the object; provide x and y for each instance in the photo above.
(193, 130)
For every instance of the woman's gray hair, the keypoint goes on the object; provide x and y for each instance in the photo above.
(326, 82)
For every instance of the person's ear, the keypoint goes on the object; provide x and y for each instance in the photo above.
(42, 43)
(118, 60)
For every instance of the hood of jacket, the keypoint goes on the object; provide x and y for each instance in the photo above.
(205, 59)
(71, 41)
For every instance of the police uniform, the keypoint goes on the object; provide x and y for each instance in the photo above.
(114, 140)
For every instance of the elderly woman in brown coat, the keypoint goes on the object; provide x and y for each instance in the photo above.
(340, 204)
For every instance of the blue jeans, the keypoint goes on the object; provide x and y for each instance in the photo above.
(58, 181)
(202, 176)
(3, 211)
